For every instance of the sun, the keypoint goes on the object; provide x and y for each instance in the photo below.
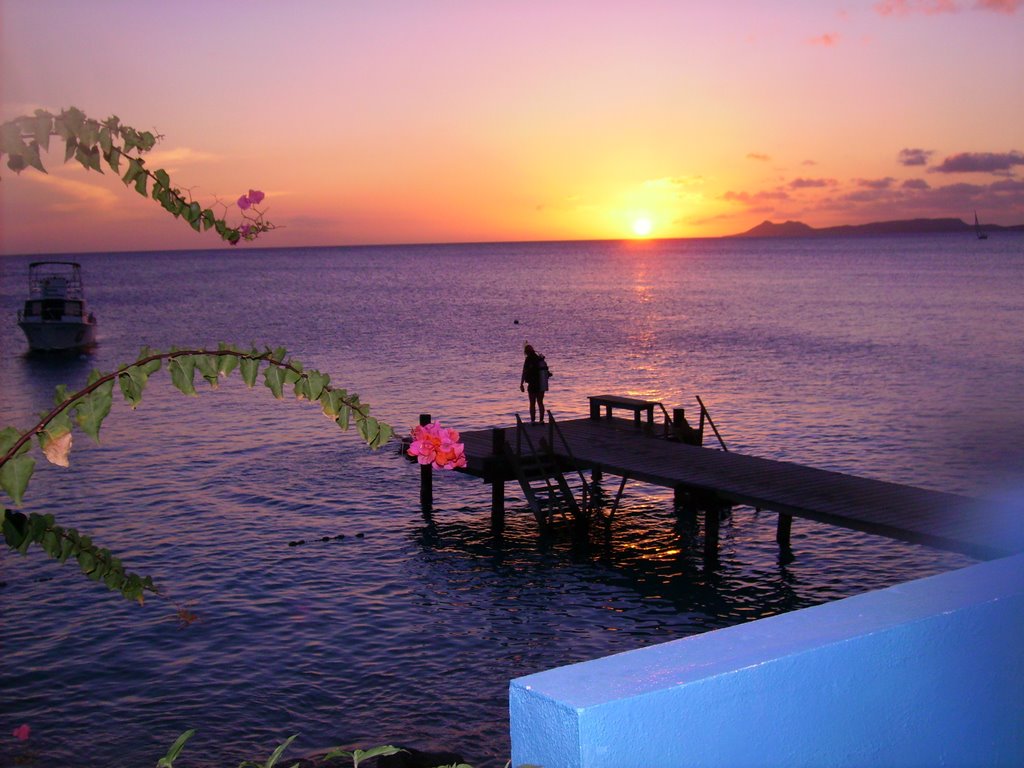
(642, 226)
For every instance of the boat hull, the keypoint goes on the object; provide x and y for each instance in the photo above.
(44, 336)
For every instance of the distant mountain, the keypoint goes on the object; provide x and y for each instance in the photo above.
(904, 227)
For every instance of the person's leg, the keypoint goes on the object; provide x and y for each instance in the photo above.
(533, 404)
(540, 403)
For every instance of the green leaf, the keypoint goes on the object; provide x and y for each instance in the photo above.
(8, 437)
(31, 156)
(182, 369)
(131, 387)
(369, 430)
(272, 760)
(331, 402)
(317, 382)
(344, 414)
(167, 761)
(274, 379)
(113, 160)
(208, 368)
(209, 219)
(89, 157)
(91, 410)
(226, 363)
(11, 142)
(140, 185)
(89, 133)
(42, 127)
(162, 178)
(134, 169)
(105, 141)
(250, 368)
(15, 528)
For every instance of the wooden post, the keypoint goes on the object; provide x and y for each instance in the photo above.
(426, 477)
(498, 483)
(595, 475)
(679, 497)
(782, 532)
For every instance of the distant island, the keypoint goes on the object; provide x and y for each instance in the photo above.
(903, 227)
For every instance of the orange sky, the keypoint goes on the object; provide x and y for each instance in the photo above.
(479, 120)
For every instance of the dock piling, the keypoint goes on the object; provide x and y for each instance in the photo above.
(498, 482)
(783, 530)
(426, 477)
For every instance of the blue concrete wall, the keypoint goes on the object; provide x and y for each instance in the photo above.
(928, 673)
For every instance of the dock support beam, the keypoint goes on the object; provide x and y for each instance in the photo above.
(426, 477)
(782, 532)
(498, 483)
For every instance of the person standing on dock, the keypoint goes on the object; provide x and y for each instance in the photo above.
(534, 380)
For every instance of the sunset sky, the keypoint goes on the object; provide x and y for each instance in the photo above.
(400, 121)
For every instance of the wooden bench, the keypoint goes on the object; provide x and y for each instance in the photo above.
(628, 403)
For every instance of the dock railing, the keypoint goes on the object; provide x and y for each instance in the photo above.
(705, 416)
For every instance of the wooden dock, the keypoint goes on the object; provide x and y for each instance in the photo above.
(636, 451)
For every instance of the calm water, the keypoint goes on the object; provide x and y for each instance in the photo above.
(900, 359)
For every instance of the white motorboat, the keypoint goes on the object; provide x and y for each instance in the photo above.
(55, 317)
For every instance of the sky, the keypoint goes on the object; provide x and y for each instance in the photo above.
(410, 121)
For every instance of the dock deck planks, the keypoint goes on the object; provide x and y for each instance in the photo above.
(617, 446)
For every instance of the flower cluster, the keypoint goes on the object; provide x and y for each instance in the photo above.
(435, 445)
(255, 197)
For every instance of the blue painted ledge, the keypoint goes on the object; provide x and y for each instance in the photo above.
(927, 673)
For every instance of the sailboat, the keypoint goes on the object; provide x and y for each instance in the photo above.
(982, 235)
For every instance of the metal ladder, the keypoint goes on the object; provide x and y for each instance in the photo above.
(541, 479)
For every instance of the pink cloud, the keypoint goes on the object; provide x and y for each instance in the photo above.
(915, 156)
(885, 183)
(999, 6)
(980, 162)
(811, 183)
(758, 156)
(906, 7)
(755, 198)
(828, 40)
(933, 7)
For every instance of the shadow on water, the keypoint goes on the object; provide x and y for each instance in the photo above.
(647, 556)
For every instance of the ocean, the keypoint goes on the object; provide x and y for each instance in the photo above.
(898, 358)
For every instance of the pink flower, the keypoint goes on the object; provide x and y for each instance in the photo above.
(433, 444)
(245, 229)
(255, 196)
(243, 202)
(22, 732)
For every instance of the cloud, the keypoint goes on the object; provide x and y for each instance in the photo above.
(919, 184)
(906, 7)
(78, 195)
(168, 158)
(915, 156)
(674, 182)
(980, 162)
(760, 157)
(934, 7)
(811, 183)
(756, 198)
(999, 6)
(827, 40)
(885, 183)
